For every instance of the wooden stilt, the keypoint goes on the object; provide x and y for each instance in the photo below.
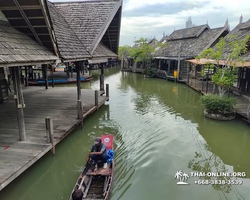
(78, 88)
(80, 111)
(67, 65)
(18, 95)
(179, 63)
(207, 83)
(53, 82)
(96, 98)
(107, 90)
(102, 79)
(50, 133)
(26, 77)
(45, 71)
(71, 71)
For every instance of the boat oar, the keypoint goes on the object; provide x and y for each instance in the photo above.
(81, 182)
(84, 172)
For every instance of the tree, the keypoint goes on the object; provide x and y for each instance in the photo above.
(124, 51)
(144, 53)
(224, 78)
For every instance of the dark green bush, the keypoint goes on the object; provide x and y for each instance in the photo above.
(149, 71)
(219, 105)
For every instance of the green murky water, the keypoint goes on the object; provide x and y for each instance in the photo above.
(158, 128)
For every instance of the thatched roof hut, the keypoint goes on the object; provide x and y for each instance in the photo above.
(192, 41)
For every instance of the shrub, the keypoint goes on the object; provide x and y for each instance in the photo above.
(149, 71)
(215, 104)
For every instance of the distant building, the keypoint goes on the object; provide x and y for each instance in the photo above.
(189, 23)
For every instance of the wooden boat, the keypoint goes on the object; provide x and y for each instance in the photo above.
(96, 183)
(58, 81)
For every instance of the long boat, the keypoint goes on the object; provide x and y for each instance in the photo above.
(58, 81)
(96, 183)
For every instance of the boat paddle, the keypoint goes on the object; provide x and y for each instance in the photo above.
(84, 172)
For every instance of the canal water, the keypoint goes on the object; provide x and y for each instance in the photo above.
(158, 129)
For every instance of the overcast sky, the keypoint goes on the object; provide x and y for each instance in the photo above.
(149, 18)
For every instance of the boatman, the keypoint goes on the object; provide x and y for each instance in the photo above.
(99, 152)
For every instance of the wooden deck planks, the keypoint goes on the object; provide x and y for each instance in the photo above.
(57, 103)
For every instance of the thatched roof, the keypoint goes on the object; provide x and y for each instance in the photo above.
(18, 49)
(30, 17)
(69, 45)
(153, 42)
(192, 41)
(103, 51)
(192, 32)
(71, 30)
(164, 38)
(241, 30)
(90, 20)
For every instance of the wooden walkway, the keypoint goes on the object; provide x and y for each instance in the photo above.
(57, 103)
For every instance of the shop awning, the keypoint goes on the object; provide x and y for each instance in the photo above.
(221, 62)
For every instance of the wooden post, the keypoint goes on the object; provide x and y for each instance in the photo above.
(45, 72)
(102, 79)
(78, 87)
(18, 95)
(53, 82)
(71, 71)
(34, 76)
(96, 98)
(67, 65)
(80, 112)
(26, 72)
(39, 76)
(179, 63)
(169, 64)
(122, 64)
(188, 64)
(26, 82)
(202, 80)
(82, 66)
(50, 133)
(107, 90)
(207, 82)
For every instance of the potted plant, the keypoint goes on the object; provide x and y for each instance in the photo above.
(220, 108)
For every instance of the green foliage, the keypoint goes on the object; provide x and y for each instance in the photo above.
(224, 78)
(203, 73)
(124, 51)
(149, 71)
(219, 105)
(143, 52)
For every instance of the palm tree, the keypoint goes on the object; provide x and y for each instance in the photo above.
(185, 177)
(179, 175)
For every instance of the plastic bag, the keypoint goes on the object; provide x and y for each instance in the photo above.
(111, 156)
